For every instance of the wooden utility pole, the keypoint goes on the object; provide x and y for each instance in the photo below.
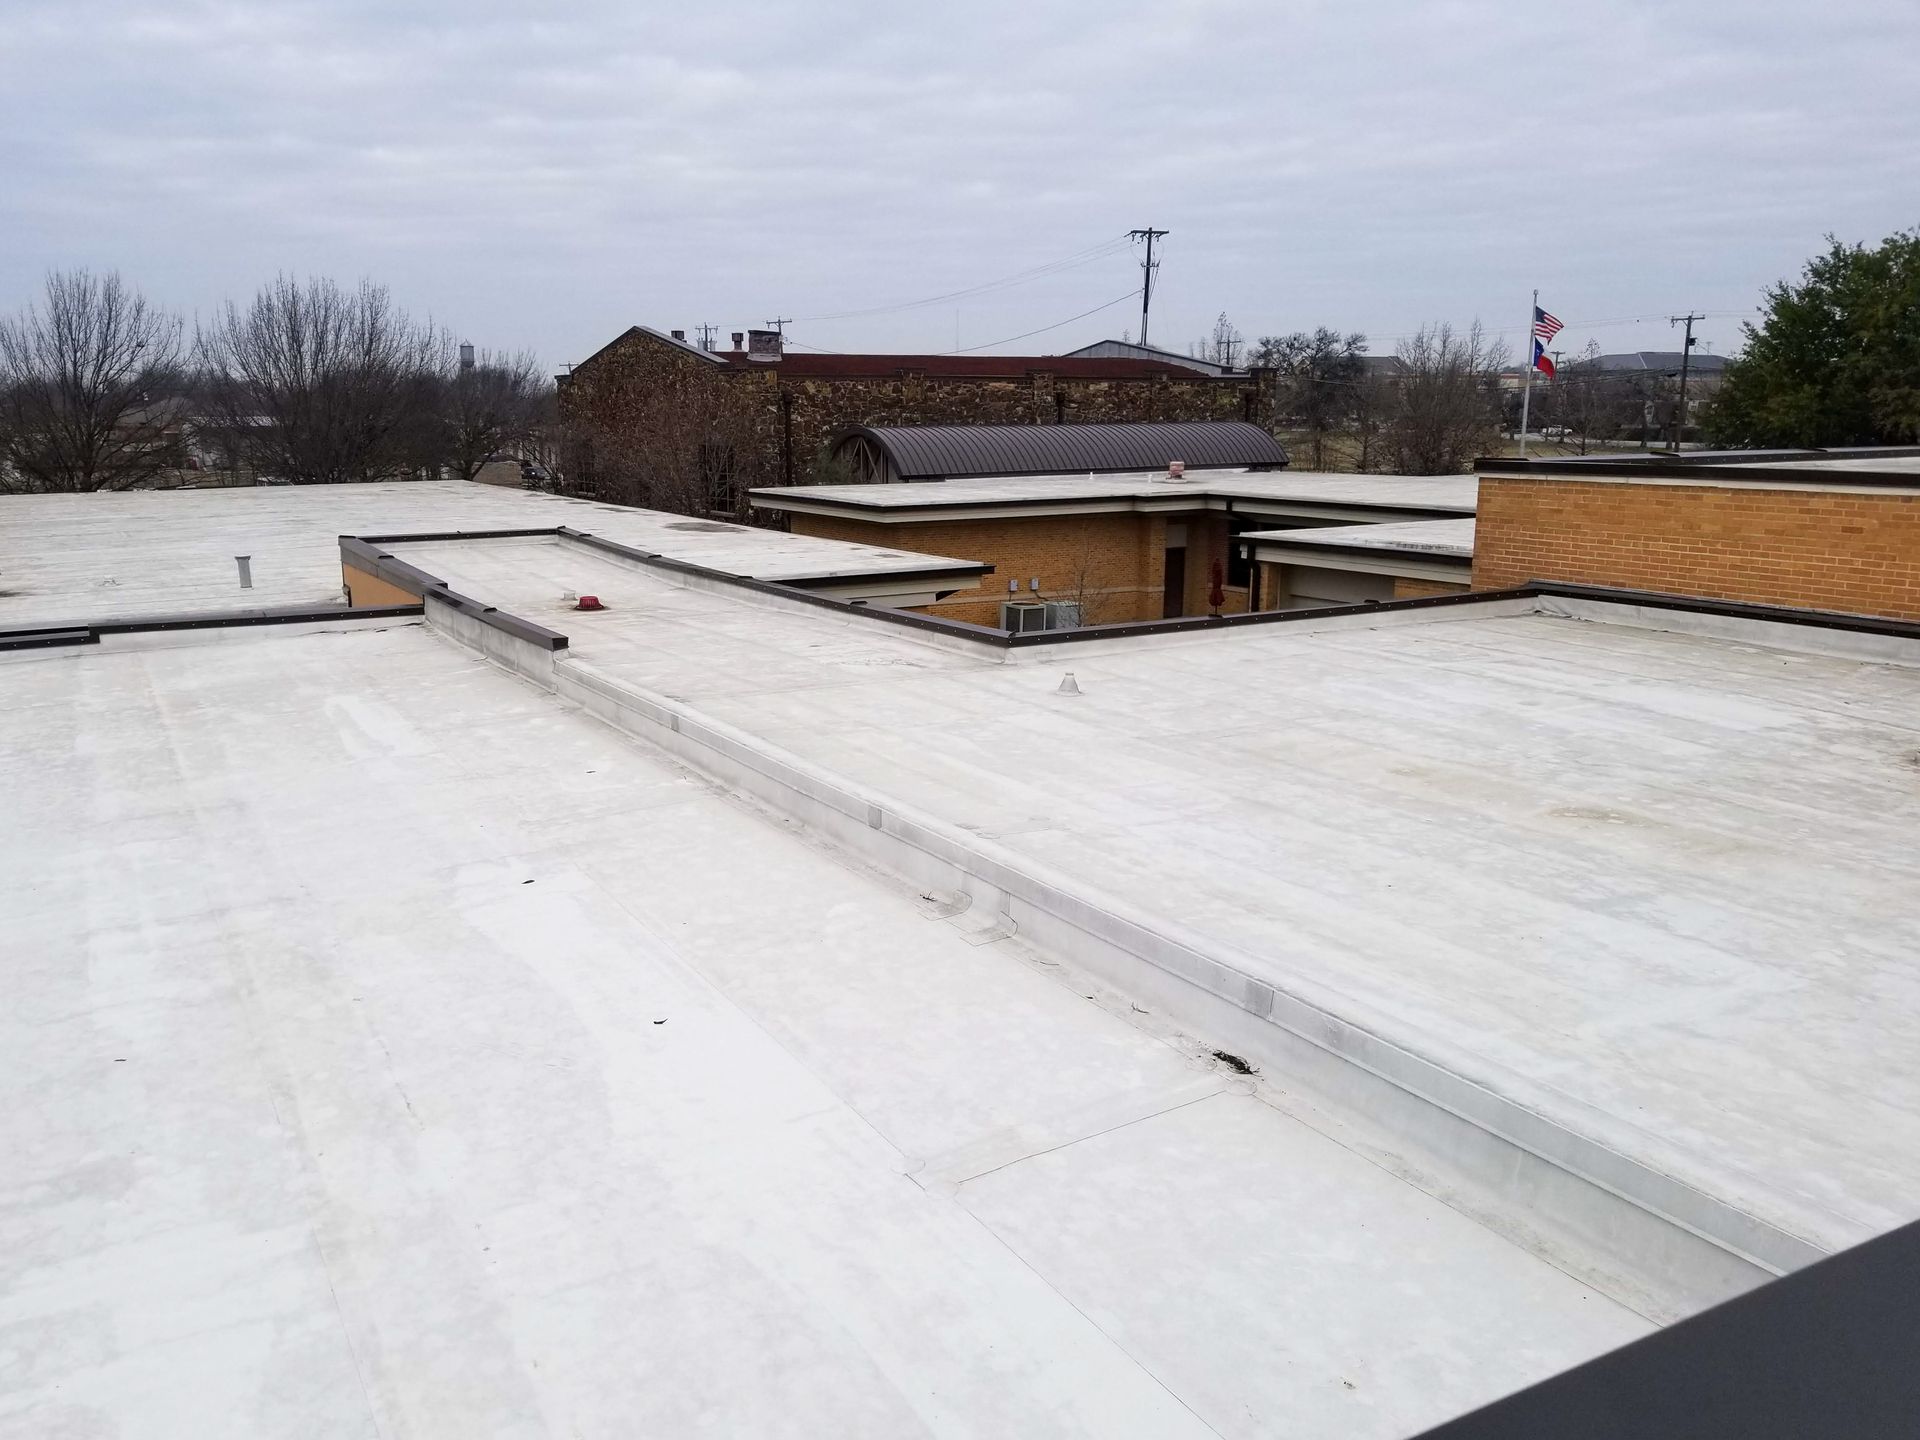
(1686, 365)
(1149, 268)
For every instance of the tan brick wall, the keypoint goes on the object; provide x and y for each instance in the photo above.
(1112, 564)
(1405, 588)
(1823, 550)
(365, 589)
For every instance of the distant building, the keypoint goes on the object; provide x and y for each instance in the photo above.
(668, 424)
(1129, 350)
(1145, 545)
(1664, 363)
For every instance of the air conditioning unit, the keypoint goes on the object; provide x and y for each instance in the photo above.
(1063, 614)
(1023, 616)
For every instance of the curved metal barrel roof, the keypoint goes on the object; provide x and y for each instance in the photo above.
(932, 452)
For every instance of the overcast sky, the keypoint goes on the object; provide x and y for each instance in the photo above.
(546, 182)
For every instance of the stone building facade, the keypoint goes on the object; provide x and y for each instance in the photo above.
(665, 423)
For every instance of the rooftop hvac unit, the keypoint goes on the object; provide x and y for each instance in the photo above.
(1023, 616)
(1063, 614)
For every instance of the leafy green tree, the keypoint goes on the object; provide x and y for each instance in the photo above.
(1836, 358)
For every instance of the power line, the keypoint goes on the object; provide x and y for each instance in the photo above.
(1080, 257)
(1131, 292)
(1589, 324)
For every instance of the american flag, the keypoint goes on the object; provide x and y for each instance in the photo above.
(1545, 326)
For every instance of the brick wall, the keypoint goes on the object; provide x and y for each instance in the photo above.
(1813, 549)
(1406, 588)
(1112, 564)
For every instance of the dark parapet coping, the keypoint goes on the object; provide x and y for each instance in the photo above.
(1825, 1351)
(365, 553)
(31, 637)
(1722, 467)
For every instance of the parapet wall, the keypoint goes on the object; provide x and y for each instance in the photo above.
(1817, 547)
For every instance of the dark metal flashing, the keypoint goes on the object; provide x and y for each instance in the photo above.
(772, 587)
(401, 573)
(1828, 1351)
(1437, 557)
(1740, 467)
(88, 632)
(973, 571)
(1732, 609)
(1197, 492)
(365, 553)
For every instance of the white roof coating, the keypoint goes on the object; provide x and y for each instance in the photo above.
(1449, 538)
(107, 556)
(1656, 886)
(1412, 492)
(392, 1050)
(1908, 464)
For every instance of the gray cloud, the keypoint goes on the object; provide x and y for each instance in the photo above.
(547, 181)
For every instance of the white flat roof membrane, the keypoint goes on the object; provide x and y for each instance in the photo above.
(1392, 491)
(1452, 539)
(393, 1050)
(109, 556)
(1656, 886)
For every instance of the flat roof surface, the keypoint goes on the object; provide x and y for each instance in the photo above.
(393, 1050)
(1449, 538)
(1412, 492)
(99, 557)
(1908, 464)
(1656, 886)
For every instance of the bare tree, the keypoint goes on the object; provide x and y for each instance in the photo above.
(1083, 587)
(491, 405)
(1222, 347)
(1449, 410)
(315, 384)
(86, 388)
(1375, 402)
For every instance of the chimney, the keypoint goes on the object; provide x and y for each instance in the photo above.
(764, 345)
(738, 336)
(466, 357)
(679, 335)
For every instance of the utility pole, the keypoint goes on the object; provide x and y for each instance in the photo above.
(779, 324)
(1149, 268)
(1686, 364)
(706, 336)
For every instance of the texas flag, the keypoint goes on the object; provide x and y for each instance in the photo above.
(1545, 327)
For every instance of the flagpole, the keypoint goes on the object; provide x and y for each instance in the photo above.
(1526, 393)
